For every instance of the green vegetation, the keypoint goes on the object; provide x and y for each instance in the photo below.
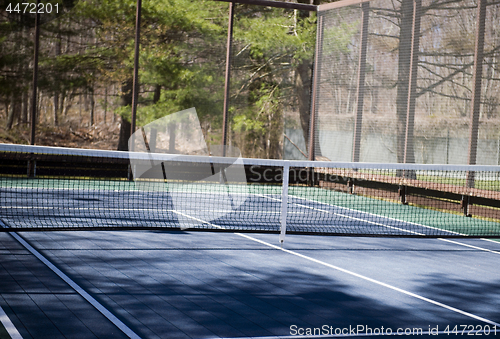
(86, 66)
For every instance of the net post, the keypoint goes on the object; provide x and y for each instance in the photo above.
(31, 170)
(284, 201)
(464, 204)
(403, 191)
(350, 185)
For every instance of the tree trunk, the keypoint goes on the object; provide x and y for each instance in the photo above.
(56, 109)
(13, 111)
(10, 114)
(114, 115)
(105, 103)
(80, 103)
(303, 89)
(56, 95)
(86, 103)
(68, 104)
(24, 111)
(92, 107)
(125, 126)
(62, 101)
(157, 94)
(126, 100)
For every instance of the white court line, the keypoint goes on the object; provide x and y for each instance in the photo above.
(275, 199)
(344, 215)
(355, 218)
(360, 212)
(104, 311)
(9, 326)
(394, 288)
(371, 222)
(379, 216)
(276, 212)
(471, 246)
(394, 219)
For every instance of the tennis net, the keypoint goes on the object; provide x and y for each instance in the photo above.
(50, 188)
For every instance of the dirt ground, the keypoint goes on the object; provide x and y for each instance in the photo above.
(99, 136)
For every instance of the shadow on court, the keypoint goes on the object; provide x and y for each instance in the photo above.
(178, 285)
(466, 294)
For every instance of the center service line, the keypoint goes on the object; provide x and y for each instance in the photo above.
(394, 288)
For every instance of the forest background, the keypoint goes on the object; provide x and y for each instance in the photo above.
(86, 65)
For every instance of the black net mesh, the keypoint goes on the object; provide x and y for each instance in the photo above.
(43, 188)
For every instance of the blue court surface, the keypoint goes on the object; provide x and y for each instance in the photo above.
(146, 284)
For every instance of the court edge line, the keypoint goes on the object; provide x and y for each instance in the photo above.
(394, 288)
(9, 326)
(381, 216)
(408, 222)
(104, 311)
(4, 318)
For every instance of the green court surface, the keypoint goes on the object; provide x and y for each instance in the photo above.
(389, 209)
